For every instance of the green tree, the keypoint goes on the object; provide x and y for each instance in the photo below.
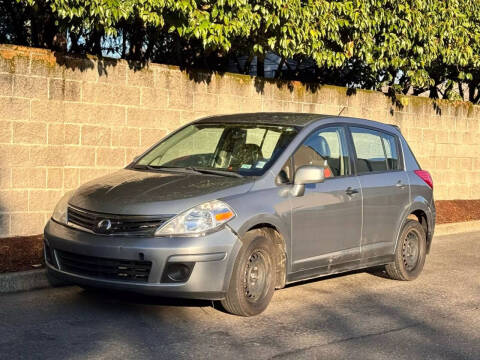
(404, 45)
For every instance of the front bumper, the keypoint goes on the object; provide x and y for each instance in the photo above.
(213, 257)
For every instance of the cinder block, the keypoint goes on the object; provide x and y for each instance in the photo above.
(125, 95)
(67, 90)
(14, 155)
(71, 177)
(5, 224)
(88, 174)
(96, 135)
(14, 200)
(112, 72)
(6, 132)
(272, 105)
(290, 106)
(27, 223)
(99, 93)
(48, 155)
(110, 157)
(6, 84)
(48, 111)
(282, 91)
(80, 69)
(72, 134)
(43, 200)
(153, 98)
(108, 115)
(56, 134)
(30, 132)
(142, 77)
(30, 87)
(125, 137)
(5, 179)
(79, 156)
(54, 178)
(14, 108)
(205, 102)
(179, 100)
(151, 136)
(29, 178)
(14, 62)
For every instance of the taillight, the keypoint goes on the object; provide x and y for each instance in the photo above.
(425, 176)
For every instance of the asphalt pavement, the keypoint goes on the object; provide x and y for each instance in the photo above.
(359, 315)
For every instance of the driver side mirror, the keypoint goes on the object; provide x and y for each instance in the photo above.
(307, 174)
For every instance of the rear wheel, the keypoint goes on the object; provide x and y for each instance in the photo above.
(410, 253)
(253, 279)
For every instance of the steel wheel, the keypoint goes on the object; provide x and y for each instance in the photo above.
(255, 276)
(411, 251)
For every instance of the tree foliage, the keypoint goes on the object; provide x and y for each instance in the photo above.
(404, 45)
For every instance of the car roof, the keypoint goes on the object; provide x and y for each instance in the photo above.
(270, 118)
(298, 120)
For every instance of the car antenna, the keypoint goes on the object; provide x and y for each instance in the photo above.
(340, 113)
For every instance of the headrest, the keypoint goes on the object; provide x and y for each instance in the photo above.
(319, 144)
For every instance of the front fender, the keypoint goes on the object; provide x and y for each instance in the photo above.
(260, 219)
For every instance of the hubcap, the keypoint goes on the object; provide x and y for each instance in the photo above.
(411, 250)
(255, 276)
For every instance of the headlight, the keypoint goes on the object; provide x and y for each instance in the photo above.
(201, 219)
(60, 212)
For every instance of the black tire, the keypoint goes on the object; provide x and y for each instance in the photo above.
(256, 262)
(410, 253)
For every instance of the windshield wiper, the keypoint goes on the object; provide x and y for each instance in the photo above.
(164, 168)
(215, 172)
(191, 169)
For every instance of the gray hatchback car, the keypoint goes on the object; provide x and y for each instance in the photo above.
(233, 207)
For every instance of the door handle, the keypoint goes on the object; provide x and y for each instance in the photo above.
(400, 184)
(351, 191)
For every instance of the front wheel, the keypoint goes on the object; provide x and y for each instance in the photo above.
(253, 278)
(410, 253)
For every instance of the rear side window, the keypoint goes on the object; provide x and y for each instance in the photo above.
(376, 150)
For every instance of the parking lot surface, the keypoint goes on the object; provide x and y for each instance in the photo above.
(359, 315)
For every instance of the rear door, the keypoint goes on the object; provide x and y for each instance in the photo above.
(385, 188)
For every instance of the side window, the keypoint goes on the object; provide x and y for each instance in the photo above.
(376, 151)
(326, 147)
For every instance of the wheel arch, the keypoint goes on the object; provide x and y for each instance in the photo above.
(421, 212)
(273, 232)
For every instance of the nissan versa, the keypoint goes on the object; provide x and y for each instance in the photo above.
(233, 207)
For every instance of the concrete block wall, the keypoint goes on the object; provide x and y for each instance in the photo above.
(64, 121)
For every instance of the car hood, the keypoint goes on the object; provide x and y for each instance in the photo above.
(134, 192)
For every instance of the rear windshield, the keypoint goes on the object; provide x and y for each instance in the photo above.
(247, 149)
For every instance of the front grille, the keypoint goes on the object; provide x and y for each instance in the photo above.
(109, 269)
(108, 224)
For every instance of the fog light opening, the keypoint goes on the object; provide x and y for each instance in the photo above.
(177, 272)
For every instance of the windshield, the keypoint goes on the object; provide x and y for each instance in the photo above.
(247, 149)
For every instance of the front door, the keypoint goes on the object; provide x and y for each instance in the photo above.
(327, 219)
